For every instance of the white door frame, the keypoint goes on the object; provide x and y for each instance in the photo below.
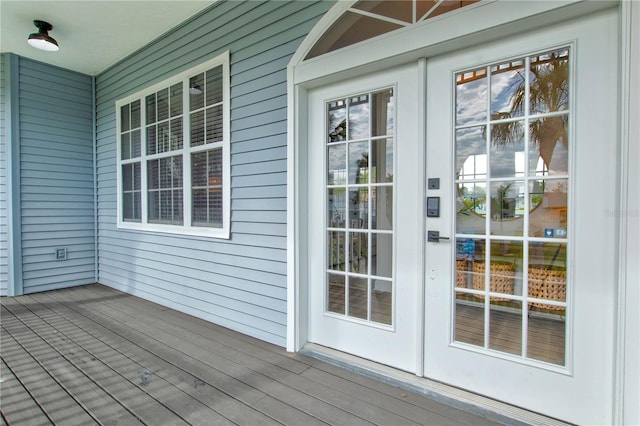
(490, 20)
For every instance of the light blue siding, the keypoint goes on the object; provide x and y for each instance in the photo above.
(239, 283)
(4, 237)
(56, 176)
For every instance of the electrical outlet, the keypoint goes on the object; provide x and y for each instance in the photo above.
(61, 254)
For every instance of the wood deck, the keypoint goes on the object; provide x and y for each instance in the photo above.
(93, 355)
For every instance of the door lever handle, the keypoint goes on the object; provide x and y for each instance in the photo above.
(434, 237)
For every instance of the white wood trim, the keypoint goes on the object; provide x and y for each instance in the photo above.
(487, 21)
(627, 359)
(223, 232)
(420, 226)
(318, 30)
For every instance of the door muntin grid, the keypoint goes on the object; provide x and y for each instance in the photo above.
(512, 186)
(360, 142)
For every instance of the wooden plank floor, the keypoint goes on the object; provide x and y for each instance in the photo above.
(93, 355)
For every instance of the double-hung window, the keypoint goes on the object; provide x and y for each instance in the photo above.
(173, 154)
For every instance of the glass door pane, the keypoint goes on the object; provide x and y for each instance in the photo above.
(512, 183)
(359, 186)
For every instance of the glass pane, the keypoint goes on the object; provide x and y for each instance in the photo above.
(176, 100)
(507, 208)
(381, 301)
(151, 109)
(178, 201)
(337, 204)
(125, 123)
(153, 205)
(501, 277)
(382, 255)
(197, 128)
(336, 250)
(444, 6)
(215, 207)
(164, 138)
(152, 146)
(199, 169)
(550, 219)
(214, 124)
(359, 163)
(166, 206)
(127, 177)
(397, 9)
(215, 167)
(469, 249)
(358, 303)
(337, 167)
(137, 177)
(382, 161)
(463, 263)
(382, 117)
(165, 173)
(359, 208)
(336, 293)
(153, 174)
(125, 146)
(214, 85)
(135, 114)
(358, 252)
(471, 206)
(349, 29)
(469, 320)
(382, 208)
(135, 144)
(176, 134)
(547, 276)
(505, 328)
(337, 120)
(162, 98)
(471, 95)
(546, 337)
(471, 153)
(549, 146)
(176, 171)
(549, 89)
(127, 205)
(508, 90)
(196, 92)
(358, 126)
(199, 212)
(137, 206)
(507, 150)
(506, 267)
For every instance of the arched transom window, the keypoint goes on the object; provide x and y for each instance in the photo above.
(370, 18)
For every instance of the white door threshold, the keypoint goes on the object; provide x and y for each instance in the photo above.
(440, 392)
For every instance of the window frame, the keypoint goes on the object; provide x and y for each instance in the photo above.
(187, 227)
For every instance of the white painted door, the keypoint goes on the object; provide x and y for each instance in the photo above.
(364, 197)
(522, 134)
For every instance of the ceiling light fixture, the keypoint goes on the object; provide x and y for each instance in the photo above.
(41, 39)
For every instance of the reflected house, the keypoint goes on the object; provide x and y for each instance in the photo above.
(264, 166)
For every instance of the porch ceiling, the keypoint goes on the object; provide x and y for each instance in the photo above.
(93, 35)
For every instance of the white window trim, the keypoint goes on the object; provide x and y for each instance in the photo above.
(186, 228)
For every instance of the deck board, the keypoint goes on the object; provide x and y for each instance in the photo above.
(95, 355)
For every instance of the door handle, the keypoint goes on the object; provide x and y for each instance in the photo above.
(434, 237)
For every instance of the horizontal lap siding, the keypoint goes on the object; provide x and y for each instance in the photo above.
(4, 237)
(239, 283)
(56, 176)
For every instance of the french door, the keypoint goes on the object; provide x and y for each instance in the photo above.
(365, 192)
(518, 303)
(513, 299)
